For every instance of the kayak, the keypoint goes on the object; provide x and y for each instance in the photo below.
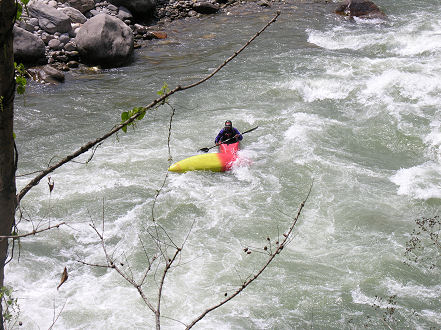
(217, 162)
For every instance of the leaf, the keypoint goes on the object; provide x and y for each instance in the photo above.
(124, 128)
(19, 11)
(64, 277)
(20, 89)
(141, 115)
(124, 116)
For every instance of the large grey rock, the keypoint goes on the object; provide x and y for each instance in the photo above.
(75, 15)
(105, 40)
(140, 9)
(205, 7)
(49, 18)
(28, 48)
(47, 74)
(124, 13)
(360, 8)
(82, 5)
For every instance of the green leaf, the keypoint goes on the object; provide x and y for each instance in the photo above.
(20, 89)
(13, 135)
(141, 115)
(124, 116)
(124, 128)
(19, 11)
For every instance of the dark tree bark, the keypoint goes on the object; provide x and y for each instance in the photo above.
(7, 163)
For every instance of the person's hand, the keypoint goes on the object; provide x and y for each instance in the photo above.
(217, 143)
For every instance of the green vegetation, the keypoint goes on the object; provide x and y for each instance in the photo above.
(141, 111)
(10, 307)
(20, 78)
(20, 5)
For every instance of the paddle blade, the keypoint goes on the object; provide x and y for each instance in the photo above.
(204, 149)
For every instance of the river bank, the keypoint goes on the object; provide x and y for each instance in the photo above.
(45, 35)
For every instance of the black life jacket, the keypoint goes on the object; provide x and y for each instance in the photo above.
(228, 135)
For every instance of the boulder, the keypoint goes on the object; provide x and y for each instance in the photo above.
(47, 74)
(124, 14)
(82, 5)
(75, 15)
(28, 48)
(49, 18)
(105, 40)
(142, 10)
(205, 7)
(360, 8)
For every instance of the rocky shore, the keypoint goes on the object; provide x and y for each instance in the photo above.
(68, 33)
(58, 35)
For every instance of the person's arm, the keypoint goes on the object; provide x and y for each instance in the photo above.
(238, 136)
(219, 136)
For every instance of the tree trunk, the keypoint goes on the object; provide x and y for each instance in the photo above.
(7, 163)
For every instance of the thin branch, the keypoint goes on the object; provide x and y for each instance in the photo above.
(34, 232)
(94, 149)
(92, 265)
(55, 318)
(111, 264)
(169, 131)
(118, 127)
(250, 280)
(161, 286)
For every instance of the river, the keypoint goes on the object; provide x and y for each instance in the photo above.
(349, 107)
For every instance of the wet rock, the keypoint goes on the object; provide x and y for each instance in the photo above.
(70, 46)
(54, 44)
(105, 40)
(47, 74)
(26, 26)
(82, 5)
(49, 18)
(124, 14)
(264, 3)
(159, 34)
(144, 10)
(28, 48)
(75, 15)
(112, 8)
(46, 37)
(205, 8)
(360, 8)
(73, 64)
(33, 21)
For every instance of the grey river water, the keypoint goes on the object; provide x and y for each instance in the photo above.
(352, 106)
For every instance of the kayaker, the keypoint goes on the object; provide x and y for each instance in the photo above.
(229, 133)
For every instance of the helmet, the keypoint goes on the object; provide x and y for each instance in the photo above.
(228, 123)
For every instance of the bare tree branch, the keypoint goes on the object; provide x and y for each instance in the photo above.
(247, 282)
(161, 286)
(34, 232)
(118, 127)
(55, 317)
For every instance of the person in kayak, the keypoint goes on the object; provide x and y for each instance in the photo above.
(229, 133)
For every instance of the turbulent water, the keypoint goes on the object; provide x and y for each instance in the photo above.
(351, 107)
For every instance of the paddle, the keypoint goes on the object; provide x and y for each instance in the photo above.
(206, 149)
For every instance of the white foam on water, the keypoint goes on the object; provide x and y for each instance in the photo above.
(419, 182)
(316, 89)
(342, 37)
(433, 140)
(410, 290)
(418, 38)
